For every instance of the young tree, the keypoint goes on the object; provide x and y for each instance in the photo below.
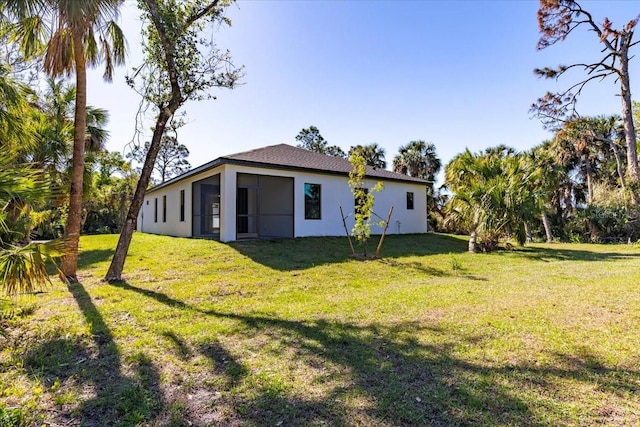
(71, 35)
(556, 20)
(372, 153)
(364, 199)
(310, 139)
(180, 65)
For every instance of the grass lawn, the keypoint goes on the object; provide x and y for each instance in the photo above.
(296, 333)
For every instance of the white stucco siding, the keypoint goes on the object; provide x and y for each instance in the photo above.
(403, 220)
(171, 225)
(335, 192)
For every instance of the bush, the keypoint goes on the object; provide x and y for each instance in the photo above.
(605, 224)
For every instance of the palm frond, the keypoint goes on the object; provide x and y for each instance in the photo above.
(23, 269)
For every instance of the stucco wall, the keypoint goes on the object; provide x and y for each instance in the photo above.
(173, 226)
(335, 192)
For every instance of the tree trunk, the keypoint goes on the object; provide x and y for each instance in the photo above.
(74, 219)
(629, 128)
(547, 227)
(616, 153)
(122, 212)
(527, 231)
(588, 172)
(473, 237)
(114, 273)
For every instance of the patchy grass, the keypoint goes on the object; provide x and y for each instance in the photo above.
(297, 333)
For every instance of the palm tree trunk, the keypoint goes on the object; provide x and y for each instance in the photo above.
(616, 153)
(589, 186)
(527, 230)
(473, 237)
(547, 227)
(74, 219)
(588, 173)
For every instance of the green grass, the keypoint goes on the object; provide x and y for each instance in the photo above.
(297, 333)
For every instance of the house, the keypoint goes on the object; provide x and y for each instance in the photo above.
(279, 191)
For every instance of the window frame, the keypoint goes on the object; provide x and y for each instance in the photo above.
(310, 204)
(164, 208)
(182, 199)
(155, 209)
(410, 201)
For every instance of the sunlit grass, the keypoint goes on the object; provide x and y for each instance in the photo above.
(298, 333)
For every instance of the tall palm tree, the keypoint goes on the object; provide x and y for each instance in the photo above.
(549, 180)
(72, 35)
(417, 159)
(372, 153)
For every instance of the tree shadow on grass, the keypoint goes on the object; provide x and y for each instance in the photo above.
(94, 256)
(547, 254)
(96, 368)
(428, 270)
(384, 375)
(307, 252)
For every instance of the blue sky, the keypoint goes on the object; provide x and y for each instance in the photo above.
(455, 73)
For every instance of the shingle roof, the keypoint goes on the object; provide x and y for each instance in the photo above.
(283, 156)
(299, 158)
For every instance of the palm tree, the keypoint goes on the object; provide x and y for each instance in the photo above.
(419, 159)
(493, 195)
(550, 177)
(14, 133)
(372, 153)
(72, 35)
(23, 267)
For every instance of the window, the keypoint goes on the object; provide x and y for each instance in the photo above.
(311, 201)
(155, 210)
(164, 208)
(182, 205)
(409, 200)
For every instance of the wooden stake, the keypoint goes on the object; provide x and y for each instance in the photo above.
(353, 251)
(384, 232)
